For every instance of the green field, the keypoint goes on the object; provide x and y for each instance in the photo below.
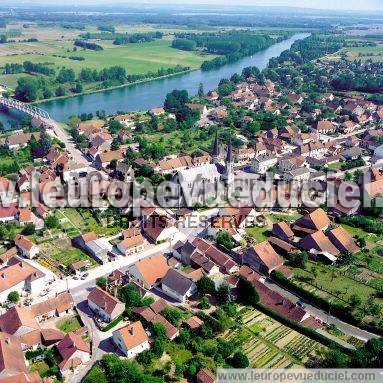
(68, 324)
(135, 58)
(359, 53)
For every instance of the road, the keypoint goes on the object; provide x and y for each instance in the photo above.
(323, 315)
(70, 146)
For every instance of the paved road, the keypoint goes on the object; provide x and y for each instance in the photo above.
(70, 146)
(322, 315)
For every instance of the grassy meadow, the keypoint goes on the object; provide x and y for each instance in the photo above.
(55, 52)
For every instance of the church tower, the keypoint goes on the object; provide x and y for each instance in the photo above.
(229, 174)
(215, 153)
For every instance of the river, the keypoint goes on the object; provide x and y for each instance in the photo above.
(152, 94)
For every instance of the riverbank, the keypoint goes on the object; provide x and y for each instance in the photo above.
(151, 93)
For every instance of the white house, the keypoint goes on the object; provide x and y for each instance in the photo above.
(261, 164)
(20, 276)
(27, 248)
(131, 339)
(106, 306)
(131, 245)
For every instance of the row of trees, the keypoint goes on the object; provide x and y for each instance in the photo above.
(88, 45)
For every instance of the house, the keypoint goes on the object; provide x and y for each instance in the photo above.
(262, 258)
(343, 240)
(126, 119)
(194, 322)
(20, 140)
(78, 267)
(103, 160)
(131, 339)
(178, 285)
(8, 213)
(312, 222)
(348, 127)
(19, 276)
(318, 243)
(205, 376)
(222, 260)
(324, 127)
(74, 352)
(297, 175)
(57, 306)
(32, 377)
(131, 245)
(105, 305)
(27, 248)
(148, 272)
(261, 164)
(283, 231)
(159, 228)
(351, 154)
(11, 357)
(20, 322)
(157, 112)
(97, 248)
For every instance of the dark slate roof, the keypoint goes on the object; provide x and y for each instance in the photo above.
(177, 281)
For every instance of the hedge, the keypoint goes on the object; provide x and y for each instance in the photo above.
(113, 323)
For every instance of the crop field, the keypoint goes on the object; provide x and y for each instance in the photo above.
(365, 53)
(55, 46)
(288, 343)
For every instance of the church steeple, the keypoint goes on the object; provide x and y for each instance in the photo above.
(229, 173)
(215, 154)
(229, 149)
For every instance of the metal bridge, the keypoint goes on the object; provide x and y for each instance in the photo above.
(32, 110)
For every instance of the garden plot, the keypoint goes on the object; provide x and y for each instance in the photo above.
(282, 337)
(260, 353)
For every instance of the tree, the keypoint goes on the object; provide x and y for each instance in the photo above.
(201, 91)
(29, 229)
(51, 222)
(223, 294)
(13, 297)
(246, 292)
(60, 91)
(239, 360)
(355, 300)
(224, 239)
(204, 303)
(41, 147)
(101, 282)
(300, 259)
(96, 375)
(129, 295)
(334, 359)
(27, 89)
(173, 315)
(205, 285)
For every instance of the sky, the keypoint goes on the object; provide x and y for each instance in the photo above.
(364, 5)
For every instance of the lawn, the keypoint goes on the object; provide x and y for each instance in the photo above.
(358, 232)
(135, 58)
(68, 324)
(40, 367)
(260, 234)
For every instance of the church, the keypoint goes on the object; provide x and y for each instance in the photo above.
(201, 186)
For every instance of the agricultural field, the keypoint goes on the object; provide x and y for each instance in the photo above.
(273, 344)
(363, 53)
(55, 46)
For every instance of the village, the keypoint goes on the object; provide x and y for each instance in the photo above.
(262, 285)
